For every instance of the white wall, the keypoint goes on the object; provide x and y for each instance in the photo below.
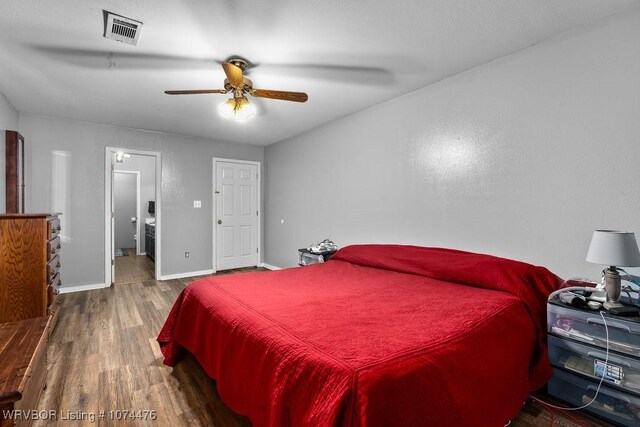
(8, 114)
(186, 176)
(146, 166)
(521, 157)
(8, 121)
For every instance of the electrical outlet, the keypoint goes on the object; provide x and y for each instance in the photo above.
(186, 254)
(197, 203)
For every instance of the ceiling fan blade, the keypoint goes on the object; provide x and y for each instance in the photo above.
(281, 95)
(194, 92)
(234, 74)
(358, 75)
(117, 60)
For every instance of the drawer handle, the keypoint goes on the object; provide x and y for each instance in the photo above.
(58, 265)
(59, 228)
(608, 393)
(609, 324)
(56, 291)
(59, 283)
(596, 355)
(59, 246)
(53, 250)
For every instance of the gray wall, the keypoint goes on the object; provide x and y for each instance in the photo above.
(8, 121)
(146, 166)
(521, 157)
(186, 176)
(124, 208)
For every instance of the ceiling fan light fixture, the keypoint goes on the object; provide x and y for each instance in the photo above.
(244, 109)
(239, 109)
(227, 108)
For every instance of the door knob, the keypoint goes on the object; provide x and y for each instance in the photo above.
(219, 221)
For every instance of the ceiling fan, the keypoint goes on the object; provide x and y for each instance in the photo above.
(239, 106)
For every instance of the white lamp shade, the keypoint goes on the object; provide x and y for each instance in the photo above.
(227, 109)
(244, 110)
(614, 248)
(239, 109)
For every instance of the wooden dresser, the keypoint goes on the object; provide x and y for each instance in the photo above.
(29, 282)
(29, 265)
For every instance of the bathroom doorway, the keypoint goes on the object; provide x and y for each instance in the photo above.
(132, 216)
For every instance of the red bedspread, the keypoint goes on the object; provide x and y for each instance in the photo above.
(380, 335)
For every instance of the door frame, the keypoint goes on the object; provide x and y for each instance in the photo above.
(137, 174)
(109, 155)
(215, 207)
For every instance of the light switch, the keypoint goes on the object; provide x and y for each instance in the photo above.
(197, 203)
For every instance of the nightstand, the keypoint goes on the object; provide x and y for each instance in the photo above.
(577, 350)
(306, 257)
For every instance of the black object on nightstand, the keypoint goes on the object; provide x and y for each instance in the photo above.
(306, 257)
(577, 350)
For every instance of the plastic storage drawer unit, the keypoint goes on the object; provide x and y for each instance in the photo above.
(621, 371)
(588, 327)
(612, 404)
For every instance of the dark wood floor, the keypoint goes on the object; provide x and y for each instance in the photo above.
(103, 356)
(133, 268)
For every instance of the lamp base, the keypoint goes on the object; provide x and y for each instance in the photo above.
(610, 304)
(613, 283)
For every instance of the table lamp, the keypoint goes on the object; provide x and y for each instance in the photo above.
(615, 249)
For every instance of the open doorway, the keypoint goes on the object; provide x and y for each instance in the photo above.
(132, 223)
(131, 264)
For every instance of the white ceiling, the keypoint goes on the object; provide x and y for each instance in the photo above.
(346, 54)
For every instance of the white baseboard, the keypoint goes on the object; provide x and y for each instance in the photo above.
(89, 287)
(81, 288)
(142, 253)
(187, 274)
(269, 266)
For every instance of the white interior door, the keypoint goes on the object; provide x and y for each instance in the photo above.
(236, 217)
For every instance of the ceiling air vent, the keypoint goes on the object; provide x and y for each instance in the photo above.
(122, 29)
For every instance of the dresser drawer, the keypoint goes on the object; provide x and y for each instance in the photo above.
(53, 228)
(614, 405)
(622, 371)
(56, 282)
(588, 327)
(53, 248)
(52, 268)
(53, 289)
(51, 295)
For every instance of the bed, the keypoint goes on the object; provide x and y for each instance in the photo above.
(380, 335)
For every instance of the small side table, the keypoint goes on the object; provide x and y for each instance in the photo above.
(306, 257)
(578, 342)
